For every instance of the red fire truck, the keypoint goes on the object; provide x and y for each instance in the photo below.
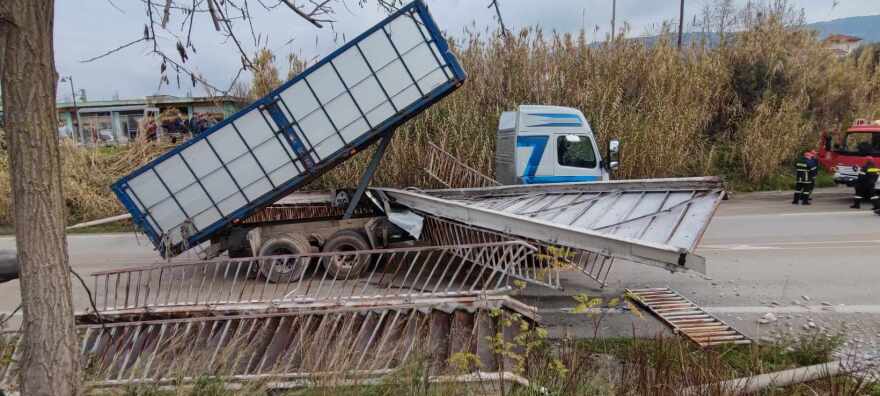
(844, 156)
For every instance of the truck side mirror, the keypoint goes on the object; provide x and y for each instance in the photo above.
(827, 142)
(613, 155)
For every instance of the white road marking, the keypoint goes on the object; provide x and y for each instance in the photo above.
(753, 309)
(793, 245)
(813, 309)
(835, 213)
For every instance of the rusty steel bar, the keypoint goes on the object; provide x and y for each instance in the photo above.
(447, 170)
(402, 273)
(541, 268)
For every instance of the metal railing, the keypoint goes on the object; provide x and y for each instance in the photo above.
(403, 274)
(330, 342)
(450, 172)
(541, 268)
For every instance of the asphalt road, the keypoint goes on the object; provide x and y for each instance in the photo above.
(805, 264)
(763, 255)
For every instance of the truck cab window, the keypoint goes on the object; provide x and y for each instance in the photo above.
(576, 151)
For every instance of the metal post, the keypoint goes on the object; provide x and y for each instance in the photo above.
(613, 17)
(368, 174)
(680, 23)
(75, 117)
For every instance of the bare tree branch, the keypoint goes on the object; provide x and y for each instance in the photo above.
(244, 56)
(117, 49)
(112, 4)
(302, 14)
(504, 30)
(213, 10)
(166, 13)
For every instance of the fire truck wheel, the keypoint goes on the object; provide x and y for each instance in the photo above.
(284, 269)
(346, 266)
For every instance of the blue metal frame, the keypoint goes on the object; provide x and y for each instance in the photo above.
(313, 170)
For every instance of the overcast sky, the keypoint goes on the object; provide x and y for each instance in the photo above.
(86, 28)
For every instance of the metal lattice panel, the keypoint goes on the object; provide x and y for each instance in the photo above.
(687, 318)
(401, 274)
(450, 172)
(541, 268)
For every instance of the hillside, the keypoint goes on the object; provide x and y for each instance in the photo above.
(866, 27)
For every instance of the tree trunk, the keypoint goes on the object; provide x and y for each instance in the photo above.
(50, 359)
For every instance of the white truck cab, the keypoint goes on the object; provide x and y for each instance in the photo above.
(550, 144)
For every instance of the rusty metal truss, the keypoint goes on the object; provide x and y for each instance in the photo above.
(450, 172)
(392, 274)
(541, 268)
(687, 318)
(350, 342)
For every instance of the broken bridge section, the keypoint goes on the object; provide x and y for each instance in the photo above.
(656, 222)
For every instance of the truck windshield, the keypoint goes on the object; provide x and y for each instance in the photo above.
(576, 151)
(862, 143)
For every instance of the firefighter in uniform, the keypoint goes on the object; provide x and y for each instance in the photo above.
(805, 170)
(865, 186)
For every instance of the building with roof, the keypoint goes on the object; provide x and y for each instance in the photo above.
(842, 44)
(100, 119)
(120, 118)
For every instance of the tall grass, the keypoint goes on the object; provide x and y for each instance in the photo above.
(742, 110)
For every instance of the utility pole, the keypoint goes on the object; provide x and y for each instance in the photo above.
(75, 117)
(613, 17)
(680, 23)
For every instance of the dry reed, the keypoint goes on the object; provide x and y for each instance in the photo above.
(742, 110)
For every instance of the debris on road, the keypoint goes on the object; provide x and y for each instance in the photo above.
(768, 318)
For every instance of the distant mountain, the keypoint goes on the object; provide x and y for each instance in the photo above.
(866, 27)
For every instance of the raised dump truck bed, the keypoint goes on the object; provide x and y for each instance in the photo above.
(334, 109)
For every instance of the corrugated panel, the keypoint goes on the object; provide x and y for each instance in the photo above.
(655, 222)
(325, 115)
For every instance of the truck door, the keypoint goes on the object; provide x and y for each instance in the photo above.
(576, 158)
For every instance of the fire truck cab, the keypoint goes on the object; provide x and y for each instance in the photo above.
(844, 156)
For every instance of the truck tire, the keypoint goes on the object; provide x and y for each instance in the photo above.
(277, 271)
(346, 267)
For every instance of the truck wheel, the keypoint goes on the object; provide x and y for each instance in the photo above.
(287, 270)
(344, 267)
